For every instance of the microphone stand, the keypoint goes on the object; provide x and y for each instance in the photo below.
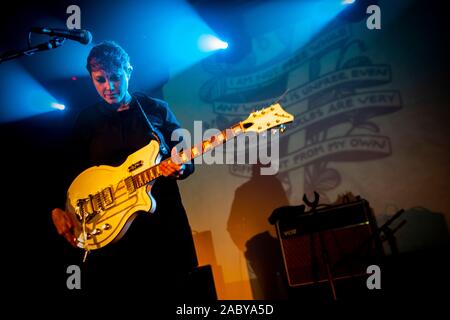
(325, 255)
(51, 44)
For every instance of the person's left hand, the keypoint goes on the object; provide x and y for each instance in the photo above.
(171, 169)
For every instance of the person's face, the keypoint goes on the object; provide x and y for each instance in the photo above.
(111, 86)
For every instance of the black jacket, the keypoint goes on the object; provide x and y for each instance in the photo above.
(157, 246)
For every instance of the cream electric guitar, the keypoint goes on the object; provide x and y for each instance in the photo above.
(103, 200)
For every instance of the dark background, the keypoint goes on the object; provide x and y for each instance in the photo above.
(32, 148)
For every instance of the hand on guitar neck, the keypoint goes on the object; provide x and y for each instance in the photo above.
(171, 169)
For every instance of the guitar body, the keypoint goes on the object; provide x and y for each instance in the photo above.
(104, 202)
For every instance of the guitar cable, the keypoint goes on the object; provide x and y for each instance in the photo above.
(83, 225)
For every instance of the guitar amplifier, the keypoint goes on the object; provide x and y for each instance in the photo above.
(349, 237)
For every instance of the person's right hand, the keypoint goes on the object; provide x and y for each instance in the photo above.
(64, 225)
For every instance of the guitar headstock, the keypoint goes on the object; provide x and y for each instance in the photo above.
(267, 118)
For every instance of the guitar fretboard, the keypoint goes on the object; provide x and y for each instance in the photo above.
(145, 177)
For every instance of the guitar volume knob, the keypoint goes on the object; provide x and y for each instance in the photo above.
(96, 231)
(106, 226)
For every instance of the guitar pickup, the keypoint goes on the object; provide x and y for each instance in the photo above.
(129, 183)
(106, 197)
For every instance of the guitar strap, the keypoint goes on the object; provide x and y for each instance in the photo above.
(155, 132)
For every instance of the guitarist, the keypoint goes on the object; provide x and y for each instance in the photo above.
(157, 252)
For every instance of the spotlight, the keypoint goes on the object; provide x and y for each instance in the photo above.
(209, 43)
(356, 11)
(58, 106)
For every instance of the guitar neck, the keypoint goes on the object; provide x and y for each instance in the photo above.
(143, 178)
(258, 121)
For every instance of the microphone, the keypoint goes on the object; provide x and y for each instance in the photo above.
(82, 36)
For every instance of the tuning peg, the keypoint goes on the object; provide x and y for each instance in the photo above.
(282, 128)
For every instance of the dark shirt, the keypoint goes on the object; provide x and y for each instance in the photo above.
(157, 250)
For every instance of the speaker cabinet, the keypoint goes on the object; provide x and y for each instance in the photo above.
(346, 234)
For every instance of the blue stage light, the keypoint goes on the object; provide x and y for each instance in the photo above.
(58, 106)
(210, 43)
